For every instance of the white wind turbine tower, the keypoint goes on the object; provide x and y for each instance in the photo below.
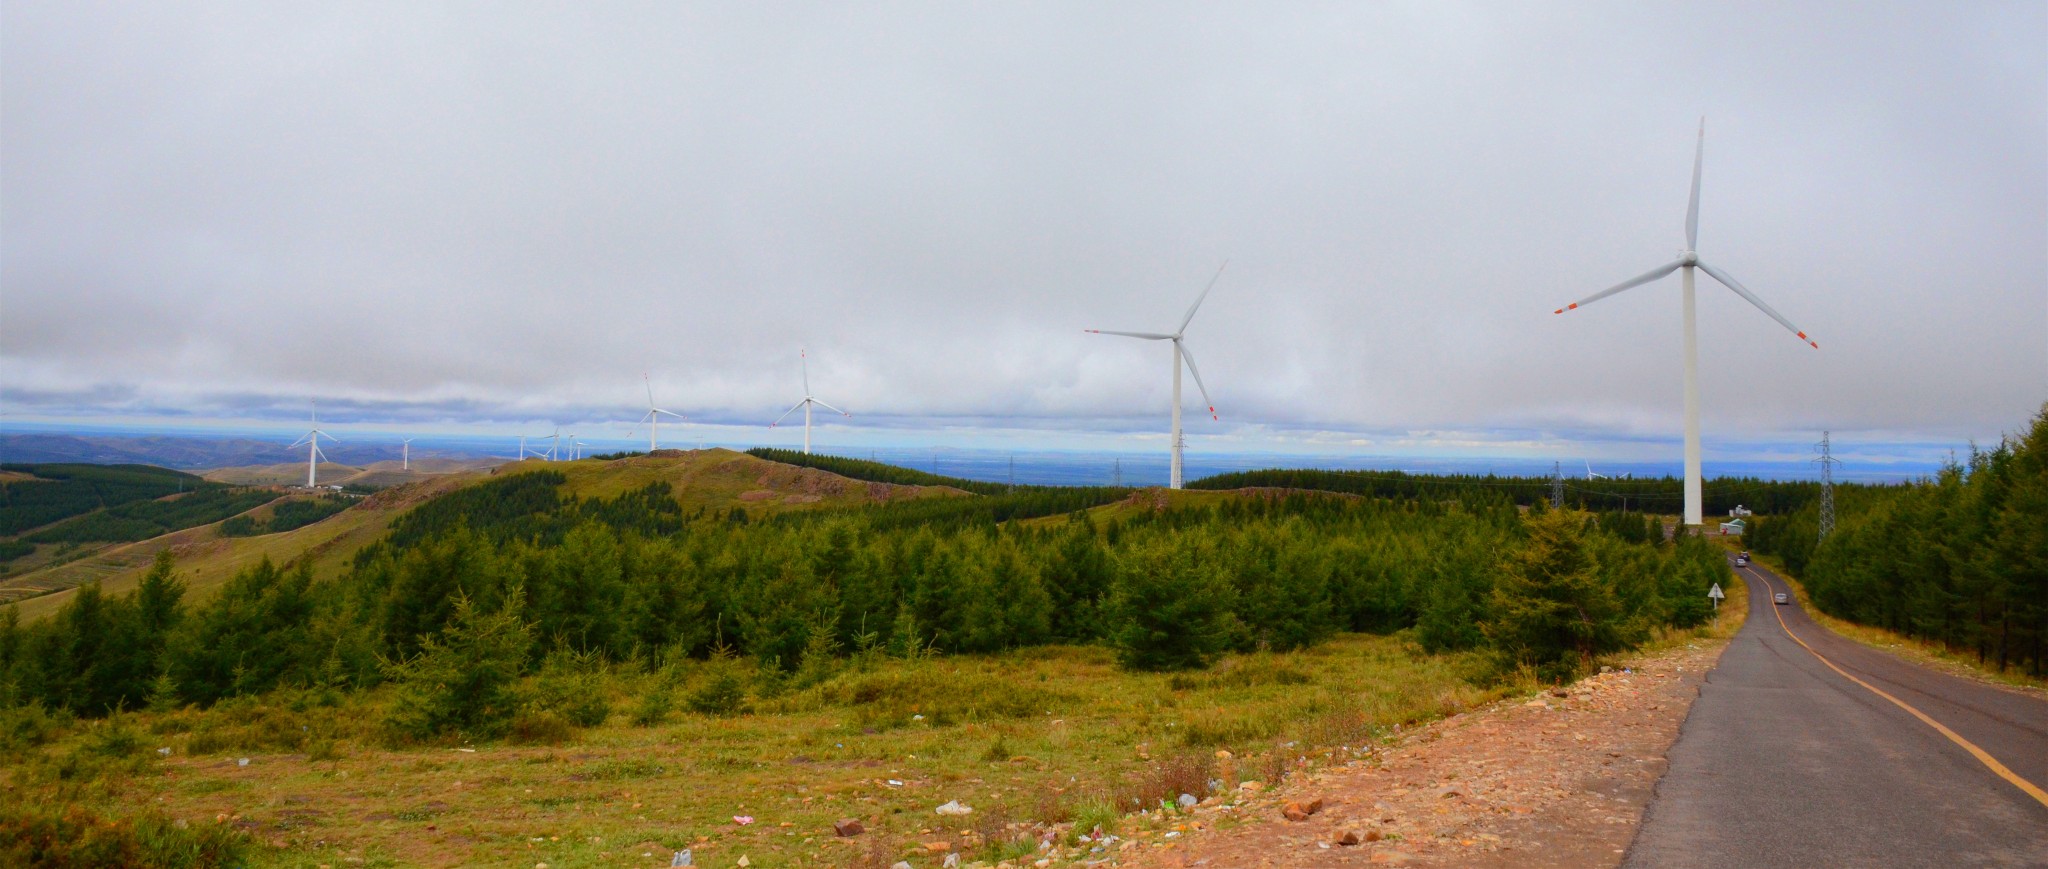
(1590, 476)
(406, 453)
(312, 442)
(1688, 260)
(809, 400)
(653, 417)
(1180, 354)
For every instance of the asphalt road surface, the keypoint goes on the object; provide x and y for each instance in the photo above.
(1783, 761)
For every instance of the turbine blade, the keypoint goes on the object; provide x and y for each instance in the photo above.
(1730, 282)
(1692, 207)
(650, 388)
(1184, 321)
(785, 414)
(1636, 281)
(804, 358)
(1149, 336)
(831, 408)
(300, 442)
(1181, 347)
(670, 413)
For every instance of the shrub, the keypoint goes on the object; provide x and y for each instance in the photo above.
(460, 684)
(572, 684)
(725, 693)
(1168, 612)
(34, 834)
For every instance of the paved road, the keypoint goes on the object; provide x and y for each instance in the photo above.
(1785, 762)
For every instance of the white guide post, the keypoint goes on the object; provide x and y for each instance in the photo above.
(1692, 403)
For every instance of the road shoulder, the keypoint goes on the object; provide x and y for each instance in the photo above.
(1555, 780)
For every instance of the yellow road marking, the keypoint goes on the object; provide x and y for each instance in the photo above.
(2027, 787)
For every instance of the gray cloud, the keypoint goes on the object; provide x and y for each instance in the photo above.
(512, 211)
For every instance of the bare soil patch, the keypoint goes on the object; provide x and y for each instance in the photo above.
(1559, 779)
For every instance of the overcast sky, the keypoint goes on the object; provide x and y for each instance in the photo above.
(496, 214)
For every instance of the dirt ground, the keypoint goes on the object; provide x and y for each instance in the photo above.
(1560, 780)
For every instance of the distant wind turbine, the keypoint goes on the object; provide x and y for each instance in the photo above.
(1180, 354)
(809, 400)
(312, 442)
(1688, 260)
(1590, 476)
(407, 453)
(653, 417)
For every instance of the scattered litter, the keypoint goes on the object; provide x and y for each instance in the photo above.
(743, 820)
(743, 862)
(894, 783)
(242, 762)
(952, 861)
(1187, 801)
(917, 718)
(165, 751)
(682, 858)
(953, 807)
(467, 750)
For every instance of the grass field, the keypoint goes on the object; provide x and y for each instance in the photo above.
(1035, 742)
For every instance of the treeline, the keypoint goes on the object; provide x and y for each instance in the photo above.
(632, 580)
(64, 490)
(287, 516)
(1960, 559)
(877, 472)
(141, 520)
(1648, 495)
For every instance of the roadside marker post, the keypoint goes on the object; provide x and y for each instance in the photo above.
(1716, 595)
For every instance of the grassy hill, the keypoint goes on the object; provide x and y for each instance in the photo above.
(714, 480)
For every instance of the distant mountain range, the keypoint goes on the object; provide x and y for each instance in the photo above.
(192, 452)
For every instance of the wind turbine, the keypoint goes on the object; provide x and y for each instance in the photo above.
(1180, 354)
(1590, 476)
(1688, 260)
(805, 356)
(312, 442)
(653, 416)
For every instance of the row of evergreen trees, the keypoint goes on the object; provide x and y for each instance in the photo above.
(1647, 494)
(634, 579)
(1961, 558)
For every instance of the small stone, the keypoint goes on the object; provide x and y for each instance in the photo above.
(952, 861)
(1349, 837)
(1251, 787)
(847, 828)
(1374, 835)
(743, 862)
(901, 864)
(682, 858)
(1300, 811)
(1187, 801)
(938, 847)
(953, 807)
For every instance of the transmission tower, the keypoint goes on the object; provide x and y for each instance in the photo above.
(1556, 486)
(1827, 463)
(1119, 473)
